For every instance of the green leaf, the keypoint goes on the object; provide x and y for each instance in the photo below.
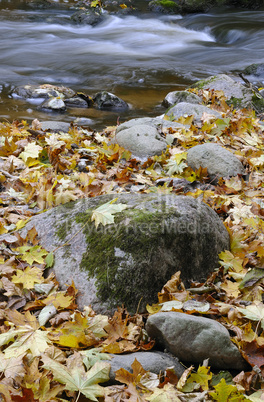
(49, 260)
(105, 213)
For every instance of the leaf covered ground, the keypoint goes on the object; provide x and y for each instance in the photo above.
(50, 351)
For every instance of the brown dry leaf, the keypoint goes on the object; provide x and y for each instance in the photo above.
(253, 354)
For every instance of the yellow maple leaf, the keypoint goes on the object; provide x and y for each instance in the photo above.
(31, 254)
(32, 151)
(74, 334)
(28, 277)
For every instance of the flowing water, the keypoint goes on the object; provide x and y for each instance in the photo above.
(138, 57)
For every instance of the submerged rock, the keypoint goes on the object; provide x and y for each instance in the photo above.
(130, 260)
(219, 161)
(194, 339)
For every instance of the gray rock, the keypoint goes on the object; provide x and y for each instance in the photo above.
(237, 94)
(42, 91)
(155, 362)
(156, 122)
(108, 101)
(89, 16)
(142, 140)
(189, 109)
(180, 96)
(134, 257)
(194, 339)
(219, 161)
(55, 126)
(55, 104)
(76, 102)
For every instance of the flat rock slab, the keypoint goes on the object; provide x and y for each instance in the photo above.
(184, 109)
(219, 161)
(194, 339)
(155, 362)
(130, 260)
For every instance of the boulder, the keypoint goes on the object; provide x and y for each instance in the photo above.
(129, 261)
(189, 109)
(193, 339)
(180, 96)
(155, 362)
(141, 140)
(108, 101)
(142, 136)
(236, 93)
(219, 161)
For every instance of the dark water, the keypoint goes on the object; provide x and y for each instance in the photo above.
(139, 58)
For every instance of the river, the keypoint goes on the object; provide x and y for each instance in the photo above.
(138, 57)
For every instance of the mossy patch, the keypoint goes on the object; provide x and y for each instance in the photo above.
(119, 255)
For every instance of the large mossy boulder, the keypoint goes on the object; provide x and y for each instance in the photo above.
(236, 93)
(129, 261)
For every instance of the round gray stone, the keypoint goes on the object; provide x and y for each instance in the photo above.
(219, 161)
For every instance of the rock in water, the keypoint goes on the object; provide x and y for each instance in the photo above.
(129, 261)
